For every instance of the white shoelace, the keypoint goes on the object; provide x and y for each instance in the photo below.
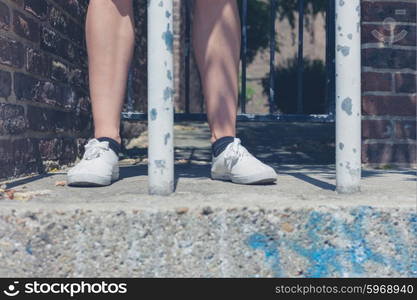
(94, 149)
(234, 154)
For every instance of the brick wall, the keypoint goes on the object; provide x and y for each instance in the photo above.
(45, 114)
(389, 82)
(44, 105)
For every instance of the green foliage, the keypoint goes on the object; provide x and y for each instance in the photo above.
(289, 8)
(287, 88)
(258, 27)
(259, 20)
(250, 92)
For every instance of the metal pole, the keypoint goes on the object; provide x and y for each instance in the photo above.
(244, 54)
(300, 66)
(272, 49)
(348, 96)
(160, 97)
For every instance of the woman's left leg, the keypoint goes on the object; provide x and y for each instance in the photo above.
(216, 40)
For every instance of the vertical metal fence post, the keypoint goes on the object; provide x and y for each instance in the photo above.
(300, 56)
(244, 54)
(272, 49)
(348, 96)
(160, 97)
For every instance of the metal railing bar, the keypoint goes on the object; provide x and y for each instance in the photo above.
(300, 81)
(330, 57)
(180, 117)
(244, 55)
(187, 54)
(272, 43)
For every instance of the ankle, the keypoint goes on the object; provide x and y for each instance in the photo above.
(221, 144)
(116, 138)
(214, 138)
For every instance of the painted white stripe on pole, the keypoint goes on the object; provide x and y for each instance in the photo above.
(160, 97)
(348, 96)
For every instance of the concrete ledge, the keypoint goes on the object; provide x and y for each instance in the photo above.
(298, 228)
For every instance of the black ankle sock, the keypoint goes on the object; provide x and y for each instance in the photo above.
(115, 146)
(220, 145)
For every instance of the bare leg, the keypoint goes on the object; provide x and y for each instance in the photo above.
(216, 38)
(110, 43)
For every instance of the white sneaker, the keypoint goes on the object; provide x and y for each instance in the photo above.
(98, 167)
(236, 164)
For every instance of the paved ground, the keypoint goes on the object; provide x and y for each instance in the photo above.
(298, 227)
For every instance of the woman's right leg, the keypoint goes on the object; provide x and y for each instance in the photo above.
(110, 43)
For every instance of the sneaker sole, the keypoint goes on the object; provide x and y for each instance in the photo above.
(86, 180)
(253, 179)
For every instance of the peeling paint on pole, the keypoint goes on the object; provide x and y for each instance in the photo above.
(348, 96)
(160, 97)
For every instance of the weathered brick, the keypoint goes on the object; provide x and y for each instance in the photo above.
(38, 62)
(80, 143)
(389, 105)
(59, 21)
(405, 83)
(5, 84)
(371, 34)
(69, 151)
(405, 130)
(389, 58)
(27, 87)
(26, 27)
(36, 8)
(68, 97)
(377, 129)
(18, 2)
(378, 11)
(60, 71)
(50, 149)
(11, 52)
(53, 42)
(77, 78)
(73, 7)
(4, 17)
(48, 120)
(373, 81)
(49, 40)
(12, 119)
(18, 157)
(82, 122)
(85, 103)
(62, 150)
(385, 153)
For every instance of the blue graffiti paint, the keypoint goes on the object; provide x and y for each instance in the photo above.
(413, 234)
(326, 259)
(270, 248)
(360, 252)
(323, 257)
(28, 248)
